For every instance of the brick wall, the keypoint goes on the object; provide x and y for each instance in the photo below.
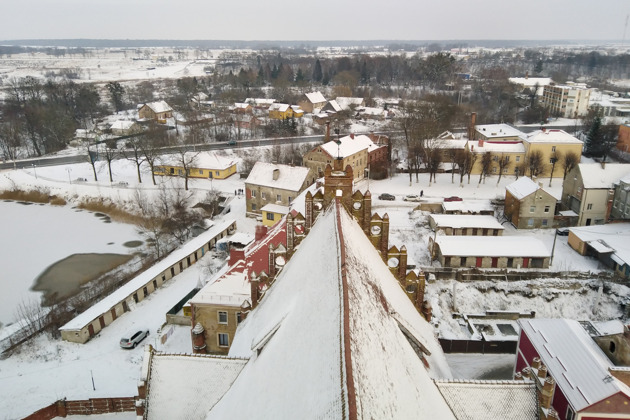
(64, 408)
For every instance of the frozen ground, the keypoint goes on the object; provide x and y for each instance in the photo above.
(48, 369)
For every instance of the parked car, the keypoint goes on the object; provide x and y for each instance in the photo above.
(562, 231)
(411, 198)
(386, 196)
(453, 198)
(231, 143)
(132, 339)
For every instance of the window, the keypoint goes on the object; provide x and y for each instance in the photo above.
(263, 195)
(546, 209)
(530, 222)
(224, 340)
(200, 171)
(518, 158)
(239, 317)
(544, 222)
(216, 173)
(290, 199)
(570, 413)
(589, 206)
(532, 209)
(278, 197)
(552, 160)
(223, 319)
(253, 194)
(553, 148)
(270, 216)
(253, 207)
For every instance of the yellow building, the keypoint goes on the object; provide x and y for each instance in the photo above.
(553, 144)
(513, 152)
(201, 165)
(285, 111)
(273, 213)
(352, 150)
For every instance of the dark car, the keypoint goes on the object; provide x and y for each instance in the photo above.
(453, 198)
(132, 339)
(562, 231)
(386, 196)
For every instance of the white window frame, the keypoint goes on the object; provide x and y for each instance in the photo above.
(227, 339)
(219, 317)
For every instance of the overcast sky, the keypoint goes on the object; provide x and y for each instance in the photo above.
(314, 20)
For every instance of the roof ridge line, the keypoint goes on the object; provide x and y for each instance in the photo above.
(347, 354)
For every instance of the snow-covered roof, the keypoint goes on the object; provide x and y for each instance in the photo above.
(531, 81)
(502, 147)
(279, 107)
(241, 105)
(368, 110)
(493, 246)
(289, 178)
(615, 236)
(142, 279)
(230, 289)
(275, 208)
(491, 131)
(185, 387)
(238, 238)
(573, 359)
(122, 125)
(445, 143)
(480, 400)
(260, 101)
(335, 106)
(596, 176)
(159, 106)
(345, 102)
(523, 187)
(349, 146)
(552, 136)
(315, 97)
(206, 160)
(468, 206)
(314, 354)
(466, 221)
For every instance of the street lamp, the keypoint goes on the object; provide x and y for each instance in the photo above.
(69, 179)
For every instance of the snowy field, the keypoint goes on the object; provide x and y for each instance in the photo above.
(48, 369)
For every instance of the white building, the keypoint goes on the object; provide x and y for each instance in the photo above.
(568, 101)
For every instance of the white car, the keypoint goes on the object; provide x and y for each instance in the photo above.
(412, 198)
(132, 339)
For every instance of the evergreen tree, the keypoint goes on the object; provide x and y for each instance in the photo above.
(317, 72)
(593, 146)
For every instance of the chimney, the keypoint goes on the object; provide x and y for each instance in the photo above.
(471, 128)
(236, 255)
(480, 143)
(542, 372)
(327, 138)
(255, 294)
(427, 311)
(261, 231)
(536, 362)
(546, 393)
(603, 163)
(352, 136)
(526, 75)
(276, 174)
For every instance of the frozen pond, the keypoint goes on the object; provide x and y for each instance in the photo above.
(36, 237)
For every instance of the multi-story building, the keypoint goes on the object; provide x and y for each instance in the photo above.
(553, 145)
(623, 139)
(568, 101)
(158, 111)
(588, 190)
(528, 205)
(269, 183)
(574, 377)
(359, 152)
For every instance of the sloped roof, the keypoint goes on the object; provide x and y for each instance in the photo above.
(466, 221)
(348, 147)
(614, 235)
(468, 206)
(522, 187)
(289, 177)
(279, 107)
(481, 400)
(315, 97)
(499, 147)
(596, 176)
(275, 208)
(345, 101)
(573, 359)
(335, 106)
(326, 339)
(186, 387)
(492, 246)
(498, 131)
(205, 160)
(122, 125)
(159, 106)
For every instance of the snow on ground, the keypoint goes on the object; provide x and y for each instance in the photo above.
(481, 366)
(48, 369)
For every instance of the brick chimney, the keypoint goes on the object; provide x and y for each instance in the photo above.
(254, 292)
(471, 127)
(199, 339)
(261, 231)
(276, 174)
(352, 136)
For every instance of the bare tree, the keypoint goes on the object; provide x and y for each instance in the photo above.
(504, 164)
(556, 156)
(486, 165)
(185, 161)
(92, 157)
(110, 151)
(133, 152)
(452, 157)
(471, 159)
(568, 162)
(535, 164)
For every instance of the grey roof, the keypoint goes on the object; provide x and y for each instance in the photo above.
(573, 359)
(481, 400)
